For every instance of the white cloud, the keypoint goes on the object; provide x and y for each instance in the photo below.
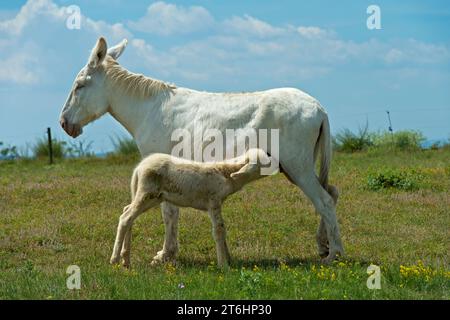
(237, 48)
(415, 52)
(18, 69)
(166, 19)
(426, 53)
(311, 32)
(152, 59)
(42, 13)
(248, 25)
(36, 42)
(45, 9)
(394, 55)
(113, 32)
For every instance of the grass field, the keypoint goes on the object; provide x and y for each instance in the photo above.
(66, 214)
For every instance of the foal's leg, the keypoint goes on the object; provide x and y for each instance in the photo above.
(138, 206)
(126, 247)
(170, 214)
(219, 235)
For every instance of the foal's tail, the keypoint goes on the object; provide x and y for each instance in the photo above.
(134, 184)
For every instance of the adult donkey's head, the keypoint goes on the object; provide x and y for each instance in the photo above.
(88, 98)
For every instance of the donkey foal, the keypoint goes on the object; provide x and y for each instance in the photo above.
(204, 186)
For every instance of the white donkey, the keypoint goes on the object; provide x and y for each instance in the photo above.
(151, 110)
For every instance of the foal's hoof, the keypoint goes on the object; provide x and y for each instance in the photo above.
(162, 258)
(155, 262)
(114, 261)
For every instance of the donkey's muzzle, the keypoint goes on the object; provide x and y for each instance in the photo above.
(71, 129)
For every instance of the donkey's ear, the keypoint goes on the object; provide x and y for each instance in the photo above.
(98, 54)
(116, 51)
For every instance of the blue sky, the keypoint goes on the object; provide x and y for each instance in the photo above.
(321, 47)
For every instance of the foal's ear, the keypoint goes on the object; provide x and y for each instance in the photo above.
(245, 170)
(98, 54)
(116, 51)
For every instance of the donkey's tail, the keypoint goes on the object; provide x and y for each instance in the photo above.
(324, 146)
(134, 183)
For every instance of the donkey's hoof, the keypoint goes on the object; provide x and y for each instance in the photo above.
(328, 260)
(323, 254)
(331, 257)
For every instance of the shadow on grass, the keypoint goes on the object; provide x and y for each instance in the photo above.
(267, 263)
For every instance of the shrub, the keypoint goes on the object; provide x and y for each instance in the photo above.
(347, 141)
(8, 152)
(446, 144)
(124, 146)
(80, 149)
(394, 179)
(40, 149)
(403, 140)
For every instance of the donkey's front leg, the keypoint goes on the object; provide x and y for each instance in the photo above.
(219, 234)
(170, 214)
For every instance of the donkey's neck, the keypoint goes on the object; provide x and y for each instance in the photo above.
(133, 98)
(132, 112)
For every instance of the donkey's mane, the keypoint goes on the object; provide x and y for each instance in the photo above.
(136, 85)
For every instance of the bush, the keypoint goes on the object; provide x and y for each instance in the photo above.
(124, 146)
(8, 152)
(80, 149)
(40, 149)
(394, 179)
(348, 141)
(402, 140)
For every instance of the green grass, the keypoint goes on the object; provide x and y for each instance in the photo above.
(124, 146)
(41, 148)
(55, 216)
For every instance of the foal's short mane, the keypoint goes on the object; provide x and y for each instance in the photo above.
(134, 84)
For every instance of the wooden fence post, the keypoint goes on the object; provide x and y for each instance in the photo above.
(50, 149)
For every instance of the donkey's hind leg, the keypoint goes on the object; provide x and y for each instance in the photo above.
(322, 240)
(321, 236)
(324, 203)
